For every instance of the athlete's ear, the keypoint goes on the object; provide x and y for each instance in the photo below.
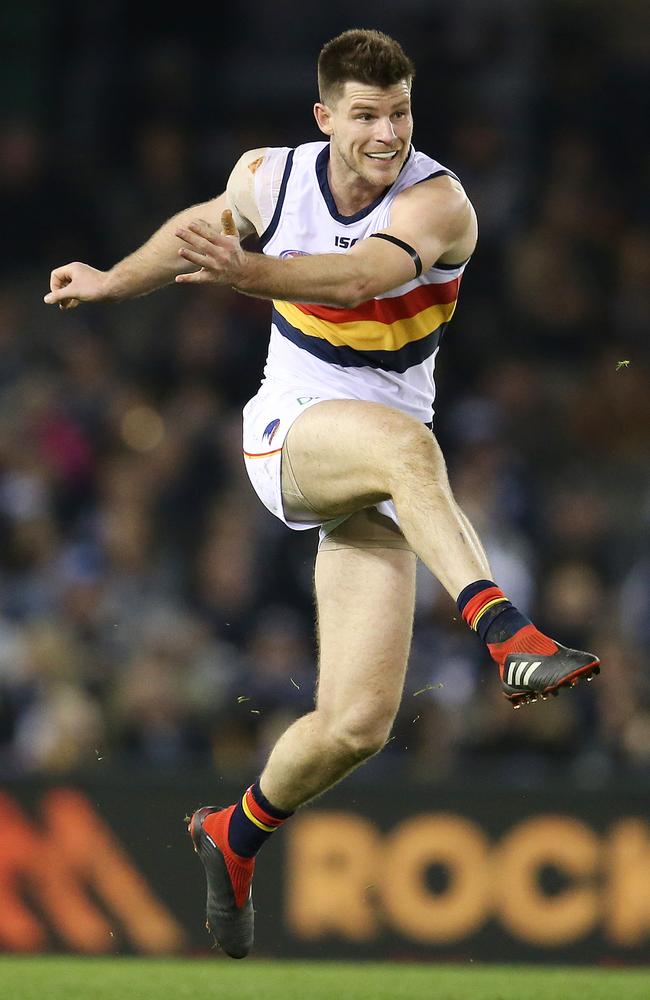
(323, 116)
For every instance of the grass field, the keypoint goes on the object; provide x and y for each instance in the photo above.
(154, 979)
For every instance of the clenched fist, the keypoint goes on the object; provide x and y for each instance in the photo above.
(75, 283)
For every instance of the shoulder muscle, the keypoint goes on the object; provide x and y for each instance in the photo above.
(438, 217)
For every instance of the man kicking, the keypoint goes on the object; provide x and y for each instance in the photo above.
(365, 243)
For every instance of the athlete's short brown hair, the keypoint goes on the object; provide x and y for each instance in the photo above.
(362, 55)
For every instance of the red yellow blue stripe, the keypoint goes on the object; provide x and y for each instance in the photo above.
(368, 335)
(392, 333)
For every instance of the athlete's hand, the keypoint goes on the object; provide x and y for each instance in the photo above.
(218, 254)
(75, 283)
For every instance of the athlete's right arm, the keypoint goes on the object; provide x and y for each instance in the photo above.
(152, 266)
(157, 263)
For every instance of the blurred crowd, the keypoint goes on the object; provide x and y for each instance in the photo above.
(152, 613)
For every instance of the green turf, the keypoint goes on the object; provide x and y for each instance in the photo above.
(153, 979)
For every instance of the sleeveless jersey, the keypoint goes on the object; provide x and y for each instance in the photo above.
(383, 350)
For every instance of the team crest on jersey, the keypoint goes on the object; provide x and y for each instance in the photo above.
(295, 253)
(270, 430)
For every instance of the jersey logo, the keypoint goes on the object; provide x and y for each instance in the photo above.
(294, 253)
(345, 242)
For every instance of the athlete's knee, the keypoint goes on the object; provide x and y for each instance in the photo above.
(361, 732)
(415, 450)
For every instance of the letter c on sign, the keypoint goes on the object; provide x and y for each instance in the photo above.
(528, 912)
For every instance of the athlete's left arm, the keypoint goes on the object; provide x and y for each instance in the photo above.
(435, 219)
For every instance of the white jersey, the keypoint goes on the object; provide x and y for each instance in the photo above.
(383, 350)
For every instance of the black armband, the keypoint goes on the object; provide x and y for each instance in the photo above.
(413, 254)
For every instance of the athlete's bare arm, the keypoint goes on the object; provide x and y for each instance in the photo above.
(157, 262)
(435, 218)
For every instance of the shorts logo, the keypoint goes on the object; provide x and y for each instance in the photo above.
(269, 433)
(294, 253)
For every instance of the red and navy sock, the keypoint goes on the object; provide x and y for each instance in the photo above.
(252, 822)
(503, 628)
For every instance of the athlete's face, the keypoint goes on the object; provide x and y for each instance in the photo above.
(370, 129)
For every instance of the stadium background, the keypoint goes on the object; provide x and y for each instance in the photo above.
(155, 622)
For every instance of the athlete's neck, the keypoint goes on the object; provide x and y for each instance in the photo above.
(351, 192)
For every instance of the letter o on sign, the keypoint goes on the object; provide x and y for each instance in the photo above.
(411, 906)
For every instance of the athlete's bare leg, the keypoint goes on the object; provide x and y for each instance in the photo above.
(365, 599)
(347, 454)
